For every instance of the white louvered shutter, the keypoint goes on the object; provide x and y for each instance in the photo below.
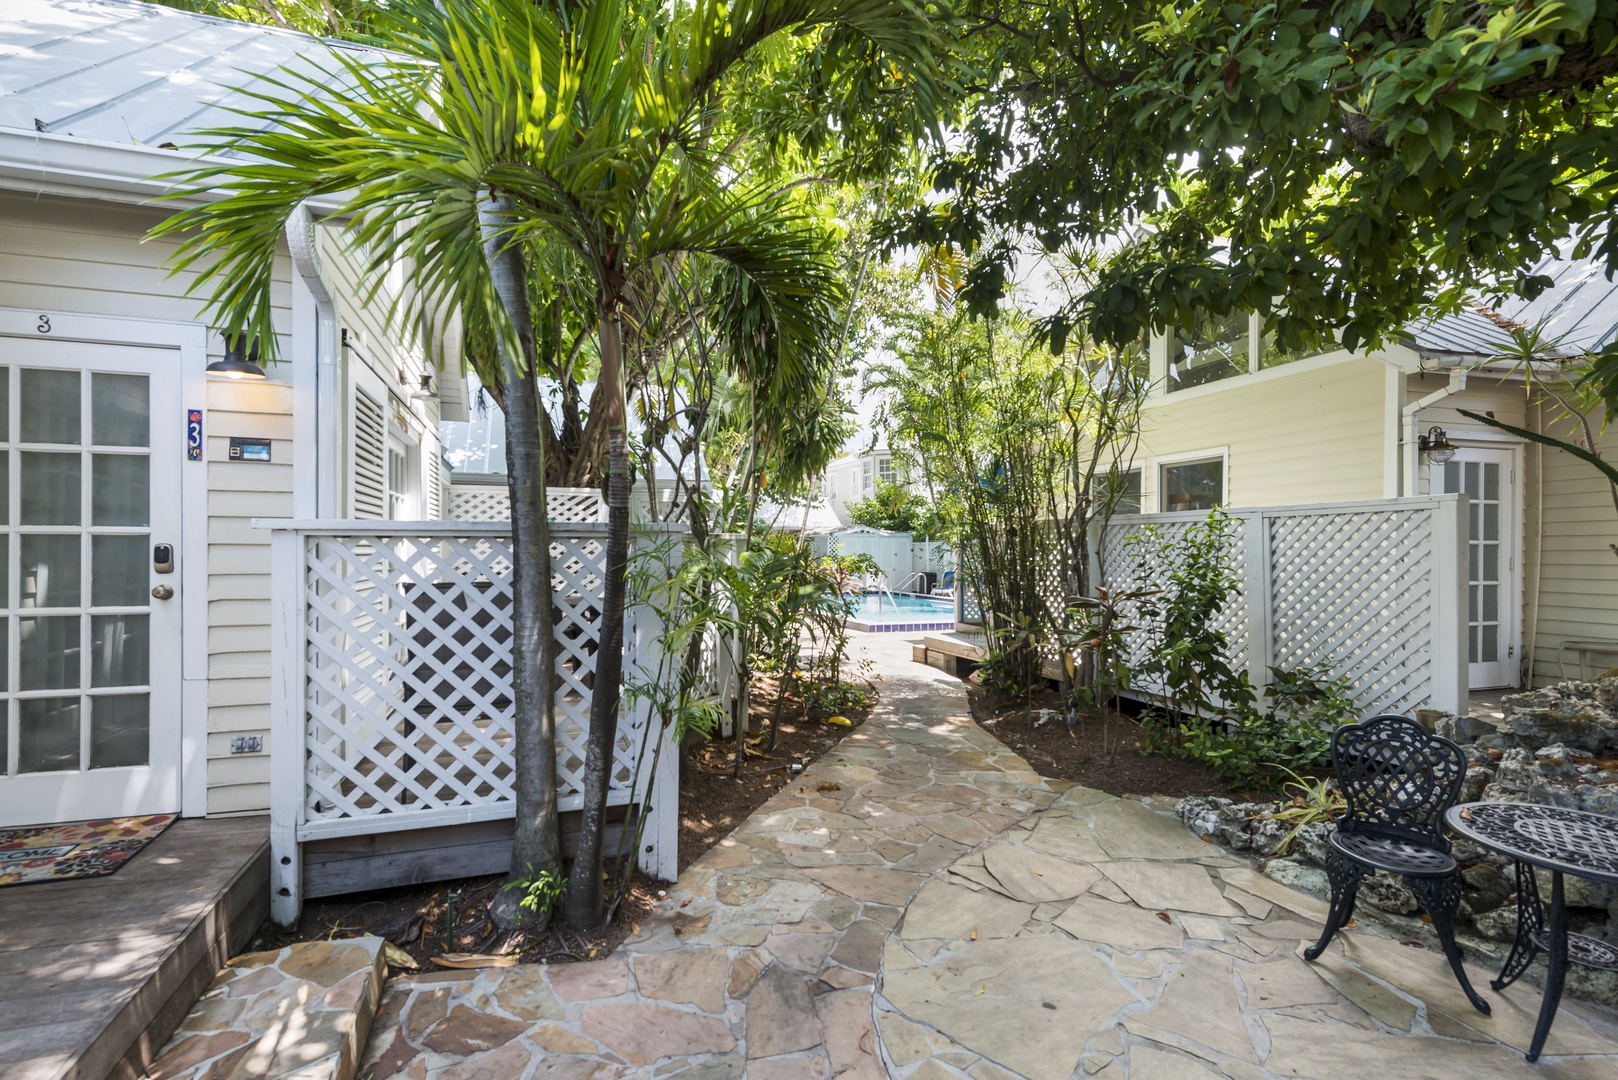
(370, 456)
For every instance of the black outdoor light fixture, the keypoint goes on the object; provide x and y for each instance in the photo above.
(240, 362)
(1436, 445)
(424, 391)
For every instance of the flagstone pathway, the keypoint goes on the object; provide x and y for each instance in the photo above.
(921, 904)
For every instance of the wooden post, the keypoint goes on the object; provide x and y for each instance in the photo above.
(287, 752)
(1449, 591)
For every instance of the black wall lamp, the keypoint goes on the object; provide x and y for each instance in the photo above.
(1436, 445)
(240, 362)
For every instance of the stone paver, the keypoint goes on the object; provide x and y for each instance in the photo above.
(301, 1012)
(761, 960)
(1178, 963)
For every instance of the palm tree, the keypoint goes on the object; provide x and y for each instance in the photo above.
(504, 126)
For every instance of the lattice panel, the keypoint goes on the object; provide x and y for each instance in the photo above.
(1355, 590)
(408, 700)
(491, 502)
(1124, 571)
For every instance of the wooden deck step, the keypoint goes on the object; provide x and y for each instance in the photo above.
(96, 973)
(303, 1011)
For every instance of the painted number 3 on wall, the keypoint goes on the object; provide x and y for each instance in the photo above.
(44, 326)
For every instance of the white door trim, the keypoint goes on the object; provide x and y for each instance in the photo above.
(1511, 543)
(190, 343)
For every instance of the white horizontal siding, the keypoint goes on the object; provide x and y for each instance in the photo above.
(1577, 573)
(1314, 434)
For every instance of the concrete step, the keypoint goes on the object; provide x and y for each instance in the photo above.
(303, 1012)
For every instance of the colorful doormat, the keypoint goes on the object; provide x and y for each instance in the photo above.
(77, 850)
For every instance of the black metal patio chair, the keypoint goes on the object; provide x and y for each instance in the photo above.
(1398, 778)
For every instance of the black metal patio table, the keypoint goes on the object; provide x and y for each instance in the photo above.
(1564, 842)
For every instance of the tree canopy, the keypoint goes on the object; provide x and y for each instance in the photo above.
(1342, 164)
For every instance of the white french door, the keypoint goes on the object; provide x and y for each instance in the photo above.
(1488, 477)
(89, 627)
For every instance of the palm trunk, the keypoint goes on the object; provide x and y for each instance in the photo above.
(537, 845)
(584, 900)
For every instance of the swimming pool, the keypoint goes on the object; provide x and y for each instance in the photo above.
(890, 613)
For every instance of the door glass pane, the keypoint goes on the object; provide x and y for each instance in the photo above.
(1472, 604)
(1472, 562)
(5, 677)
(50, 407)
(50, 488)
(5, 484)
(1491, 562)
(118, 571)
(1491, 521)
(1472, 655)
(119, 647)
(118, 495)
(1491, 481)
(48, 570)
(1491, 603)
(48, 653)
(1452, 477)
(47, 734)
(119, 410)
(119, 728)
(1471, 469)
(5, 408)
(1489, 651)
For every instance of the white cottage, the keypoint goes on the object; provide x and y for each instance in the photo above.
(134, 591)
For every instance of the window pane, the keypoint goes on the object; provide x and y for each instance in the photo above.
(118, 495)
(5, 678)
(119, 731)
(50, 488)
(1489, 650)
(1214, 349)
(1472, 653)
(48, 570)
(1472, 562)
(48, 653)
(1124, 487)
(118, 571)
(1491, 521)
(5, 483)
(1452, 477)
(1196, 485)
(5, 434)
(47, 734)
(1491, 603)
(50, 406)
(119, 410)
(1491, 562)
(1491, 481)
(1272, 355)
(1472, 604)
(1471, 470)
(118, 650)
(5, 584)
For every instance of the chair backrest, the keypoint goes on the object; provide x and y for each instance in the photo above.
(1398, 779)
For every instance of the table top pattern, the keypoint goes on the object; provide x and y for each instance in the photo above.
(1572, 841)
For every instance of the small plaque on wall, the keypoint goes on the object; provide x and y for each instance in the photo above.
(249, 449)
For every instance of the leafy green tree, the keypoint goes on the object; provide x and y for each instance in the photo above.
(896, 508)
(1339, 165)
(501, 131)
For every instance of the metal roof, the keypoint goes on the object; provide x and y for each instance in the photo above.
(1578, 313)
(120, 71)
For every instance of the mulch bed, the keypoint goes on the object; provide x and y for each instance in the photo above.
(452, 916)
(1101, 751)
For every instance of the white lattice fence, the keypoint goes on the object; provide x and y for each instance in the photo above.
(1375, 590)
(393, 702)
(492, 502)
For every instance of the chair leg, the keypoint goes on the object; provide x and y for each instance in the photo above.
(1441, 897)
(1345, 876)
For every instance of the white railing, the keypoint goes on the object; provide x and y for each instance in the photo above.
(391, 698)
(1375, 589)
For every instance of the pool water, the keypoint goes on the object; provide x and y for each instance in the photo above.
(910, 609)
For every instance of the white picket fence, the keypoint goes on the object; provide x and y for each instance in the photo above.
(391, 698)
(1374, 589)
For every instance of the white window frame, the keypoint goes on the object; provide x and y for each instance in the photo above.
(1154, 497)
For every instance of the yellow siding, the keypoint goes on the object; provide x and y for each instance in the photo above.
(1310, 432)
(76, 255)
(1573, 574)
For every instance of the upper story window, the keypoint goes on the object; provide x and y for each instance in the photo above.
(1192, 485)
(885, 471)
(1215, 348)
(868, 473)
